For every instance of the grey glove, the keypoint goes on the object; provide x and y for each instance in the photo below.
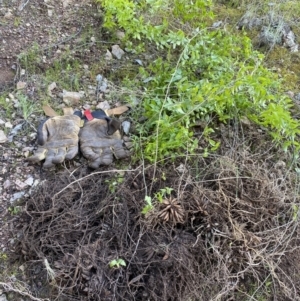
(57, 139)
(100, 140)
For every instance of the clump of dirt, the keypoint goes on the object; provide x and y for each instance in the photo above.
(221, 231)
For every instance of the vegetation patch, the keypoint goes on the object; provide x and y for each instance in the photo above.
(200, 73)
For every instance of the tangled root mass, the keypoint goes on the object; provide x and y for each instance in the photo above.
(234, 221)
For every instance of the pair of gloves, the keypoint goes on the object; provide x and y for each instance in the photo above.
(100, 139)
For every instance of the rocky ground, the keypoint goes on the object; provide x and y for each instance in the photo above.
(47, 24)
(50, 28)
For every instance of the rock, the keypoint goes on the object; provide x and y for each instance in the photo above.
(120, 34)
(217, 24)
(6, 184)
(27, 148)
(245, 121)
(117, 51)
(102, 84)
(93, 39)
(50, 88)
(108, 55)
(72, 98)
(126, 127)
(139, 62)
(22, 268)
(91, 90)
(3, 297)
(36, 182)
(103, 87)
(8, 125)
(16, 196)
(2, 122)
(65, 3)
(103, 105)
(29, 181)
(15, 131)
(20, 184)
(21, 85)
(181, 168)
(26, 154)
(3, 137)
(99, 78)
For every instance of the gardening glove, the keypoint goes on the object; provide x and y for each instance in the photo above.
(57, 139)
(100, 139)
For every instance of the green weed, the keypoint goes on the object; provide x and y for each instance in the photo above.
(117, 263)
(114, 183)
(149, 206)
(27, 106)
(198, 73)
(66, 72)
(6, 104)
(31, 58)
(3, 256)
(14, 210)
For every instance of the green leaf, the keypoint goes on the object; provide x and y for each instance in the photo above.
(113, 263)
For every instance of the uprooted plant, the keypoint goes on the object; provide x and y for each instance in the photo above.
(220, 234)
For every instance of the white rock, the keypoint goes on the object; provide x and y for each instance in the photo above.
(6, 184)
(3, 137)
(21, 85)
(66, 3)
(2, 122)
(3, 297)
(117, 51)
(36, 182)
(20, 184)
(71, 98)
(108, 55)
(16, 196)
(27, 148)
(126, 127)
(29, 181)
(8, 125)
(120, 34)
(103, 105)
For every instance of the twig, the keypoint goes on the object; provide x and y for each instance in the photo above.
(9, 287)
(92, 174)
